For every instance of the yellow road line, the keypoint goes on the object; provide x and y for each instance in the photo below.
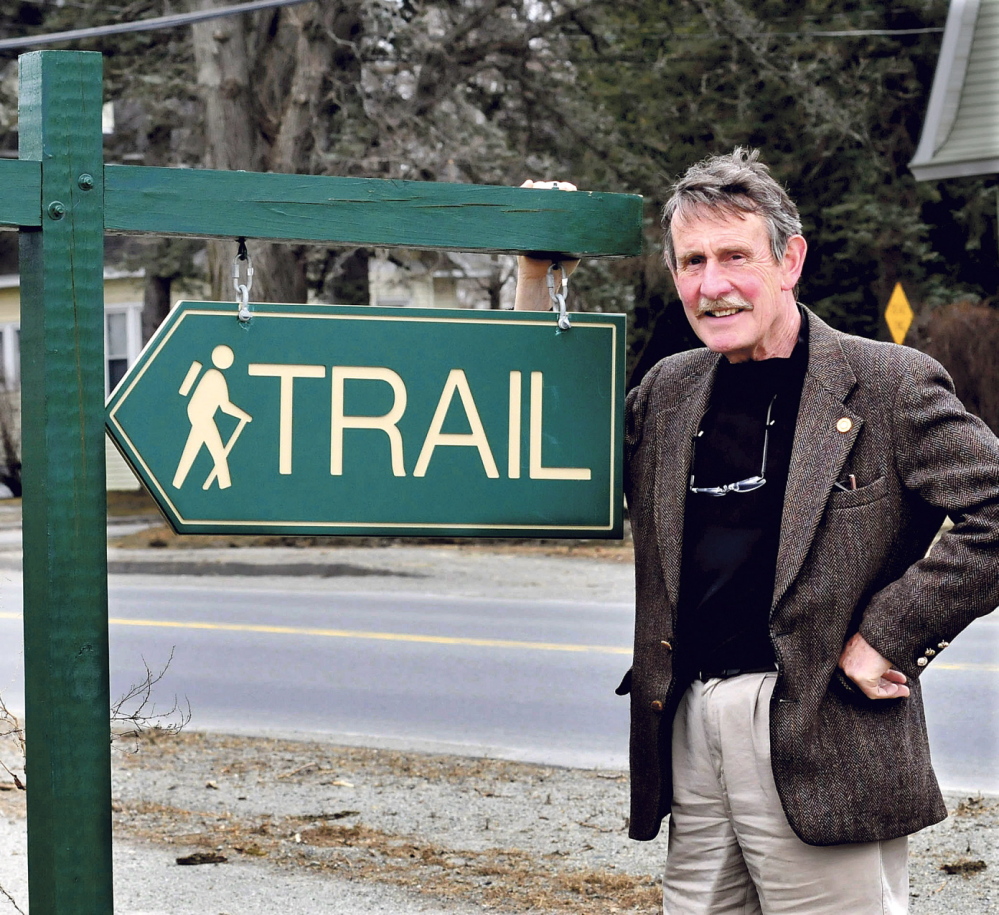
(987, 668)
(358, 634)
(429, 639)
(423, 639)
(379, 636)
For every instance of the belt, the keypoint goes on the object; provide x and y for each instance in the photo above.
(726, 672)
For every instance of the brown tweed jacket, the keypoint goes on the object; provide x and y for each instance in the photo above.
(848, 769)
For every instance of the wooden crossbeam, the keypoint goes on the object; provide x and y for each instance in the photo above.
(143, 200)
(22, 193)
(368, 211)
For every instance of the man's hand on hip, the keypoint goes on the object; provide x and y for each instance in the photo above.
(872, 673)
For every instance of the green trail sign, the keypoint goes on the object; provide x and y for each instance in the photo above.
(313, 419)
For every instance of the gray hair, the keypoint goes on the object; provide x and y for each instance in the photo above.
(733, 183)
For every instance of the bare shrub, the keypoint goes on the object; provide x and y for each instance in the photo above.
(964, 337)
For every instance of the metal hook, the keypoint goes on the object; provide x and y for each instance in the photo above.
(243, 289)
(558, 298)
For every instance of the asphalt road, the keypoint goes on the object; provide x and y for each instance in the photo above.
(520, 679)
(531, 680)
(510, 677)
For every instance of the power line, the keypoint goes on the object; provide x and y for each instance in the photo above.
(181, 19)
(144, 25)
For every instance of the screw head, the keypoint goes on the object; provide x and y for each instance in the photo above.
(57, 209)
(86, 182)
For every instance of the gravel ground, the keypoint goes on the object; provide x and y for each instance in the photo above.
(316, 828)
(312, 827)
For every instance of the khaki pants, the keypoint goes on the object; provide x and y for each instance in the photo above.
(731, 850)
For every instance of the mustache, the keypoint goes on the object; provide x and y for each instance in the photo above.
(734, 300)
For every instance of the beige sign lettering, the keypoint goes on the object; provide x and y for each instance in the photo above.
(456, 387)
(456, 382)
(387, 422)
(287, 374)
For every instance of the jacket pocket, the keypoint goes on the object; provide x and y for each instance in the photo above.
(853, 498)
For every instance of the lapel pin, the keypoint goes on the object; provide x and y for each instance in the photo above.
(844, 425)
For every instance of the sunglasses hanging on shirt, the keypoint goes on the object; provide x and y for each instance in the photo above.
(750, 484)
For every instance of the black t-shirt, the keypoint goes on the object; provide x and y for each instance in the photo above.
(730, 541)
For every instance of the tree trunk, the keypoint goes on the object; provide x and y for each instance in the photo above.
(350, 286)
(225, 54)
(155, 304)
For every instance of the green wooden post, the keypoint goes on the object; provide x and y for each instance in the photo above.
(65, 560)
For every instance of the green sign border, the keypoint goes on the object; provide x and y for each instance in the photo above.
(610, 526)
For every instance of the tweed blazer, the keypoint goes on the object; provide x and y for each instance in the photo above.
(847, 768)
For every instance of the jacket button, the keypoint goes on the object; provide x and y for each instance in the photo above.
(656, 705)
(943, 645)
(922, 662)
(666, 645)
(929, 652)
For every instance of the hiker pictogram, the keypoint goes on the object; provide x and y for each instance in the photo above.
(210, 396)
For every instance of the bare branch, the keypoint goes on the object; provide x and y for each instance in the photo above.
(11, 900)
(143, 716)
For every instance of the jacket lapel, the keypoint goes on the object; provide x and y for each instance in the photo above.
(676, 427)
(823, 440)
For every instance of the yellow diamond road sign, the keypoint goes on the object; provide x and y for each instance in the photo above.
(898, 314)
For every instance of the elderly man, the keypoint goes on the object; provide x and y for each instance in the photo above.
(784, 485)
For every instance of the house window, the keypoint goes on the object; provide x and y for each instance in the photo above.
(122, 330)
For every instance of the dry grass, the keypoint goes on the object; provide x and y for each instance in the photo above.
(339, 841)
(976, 806)
(503, 879)
(269, 755)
